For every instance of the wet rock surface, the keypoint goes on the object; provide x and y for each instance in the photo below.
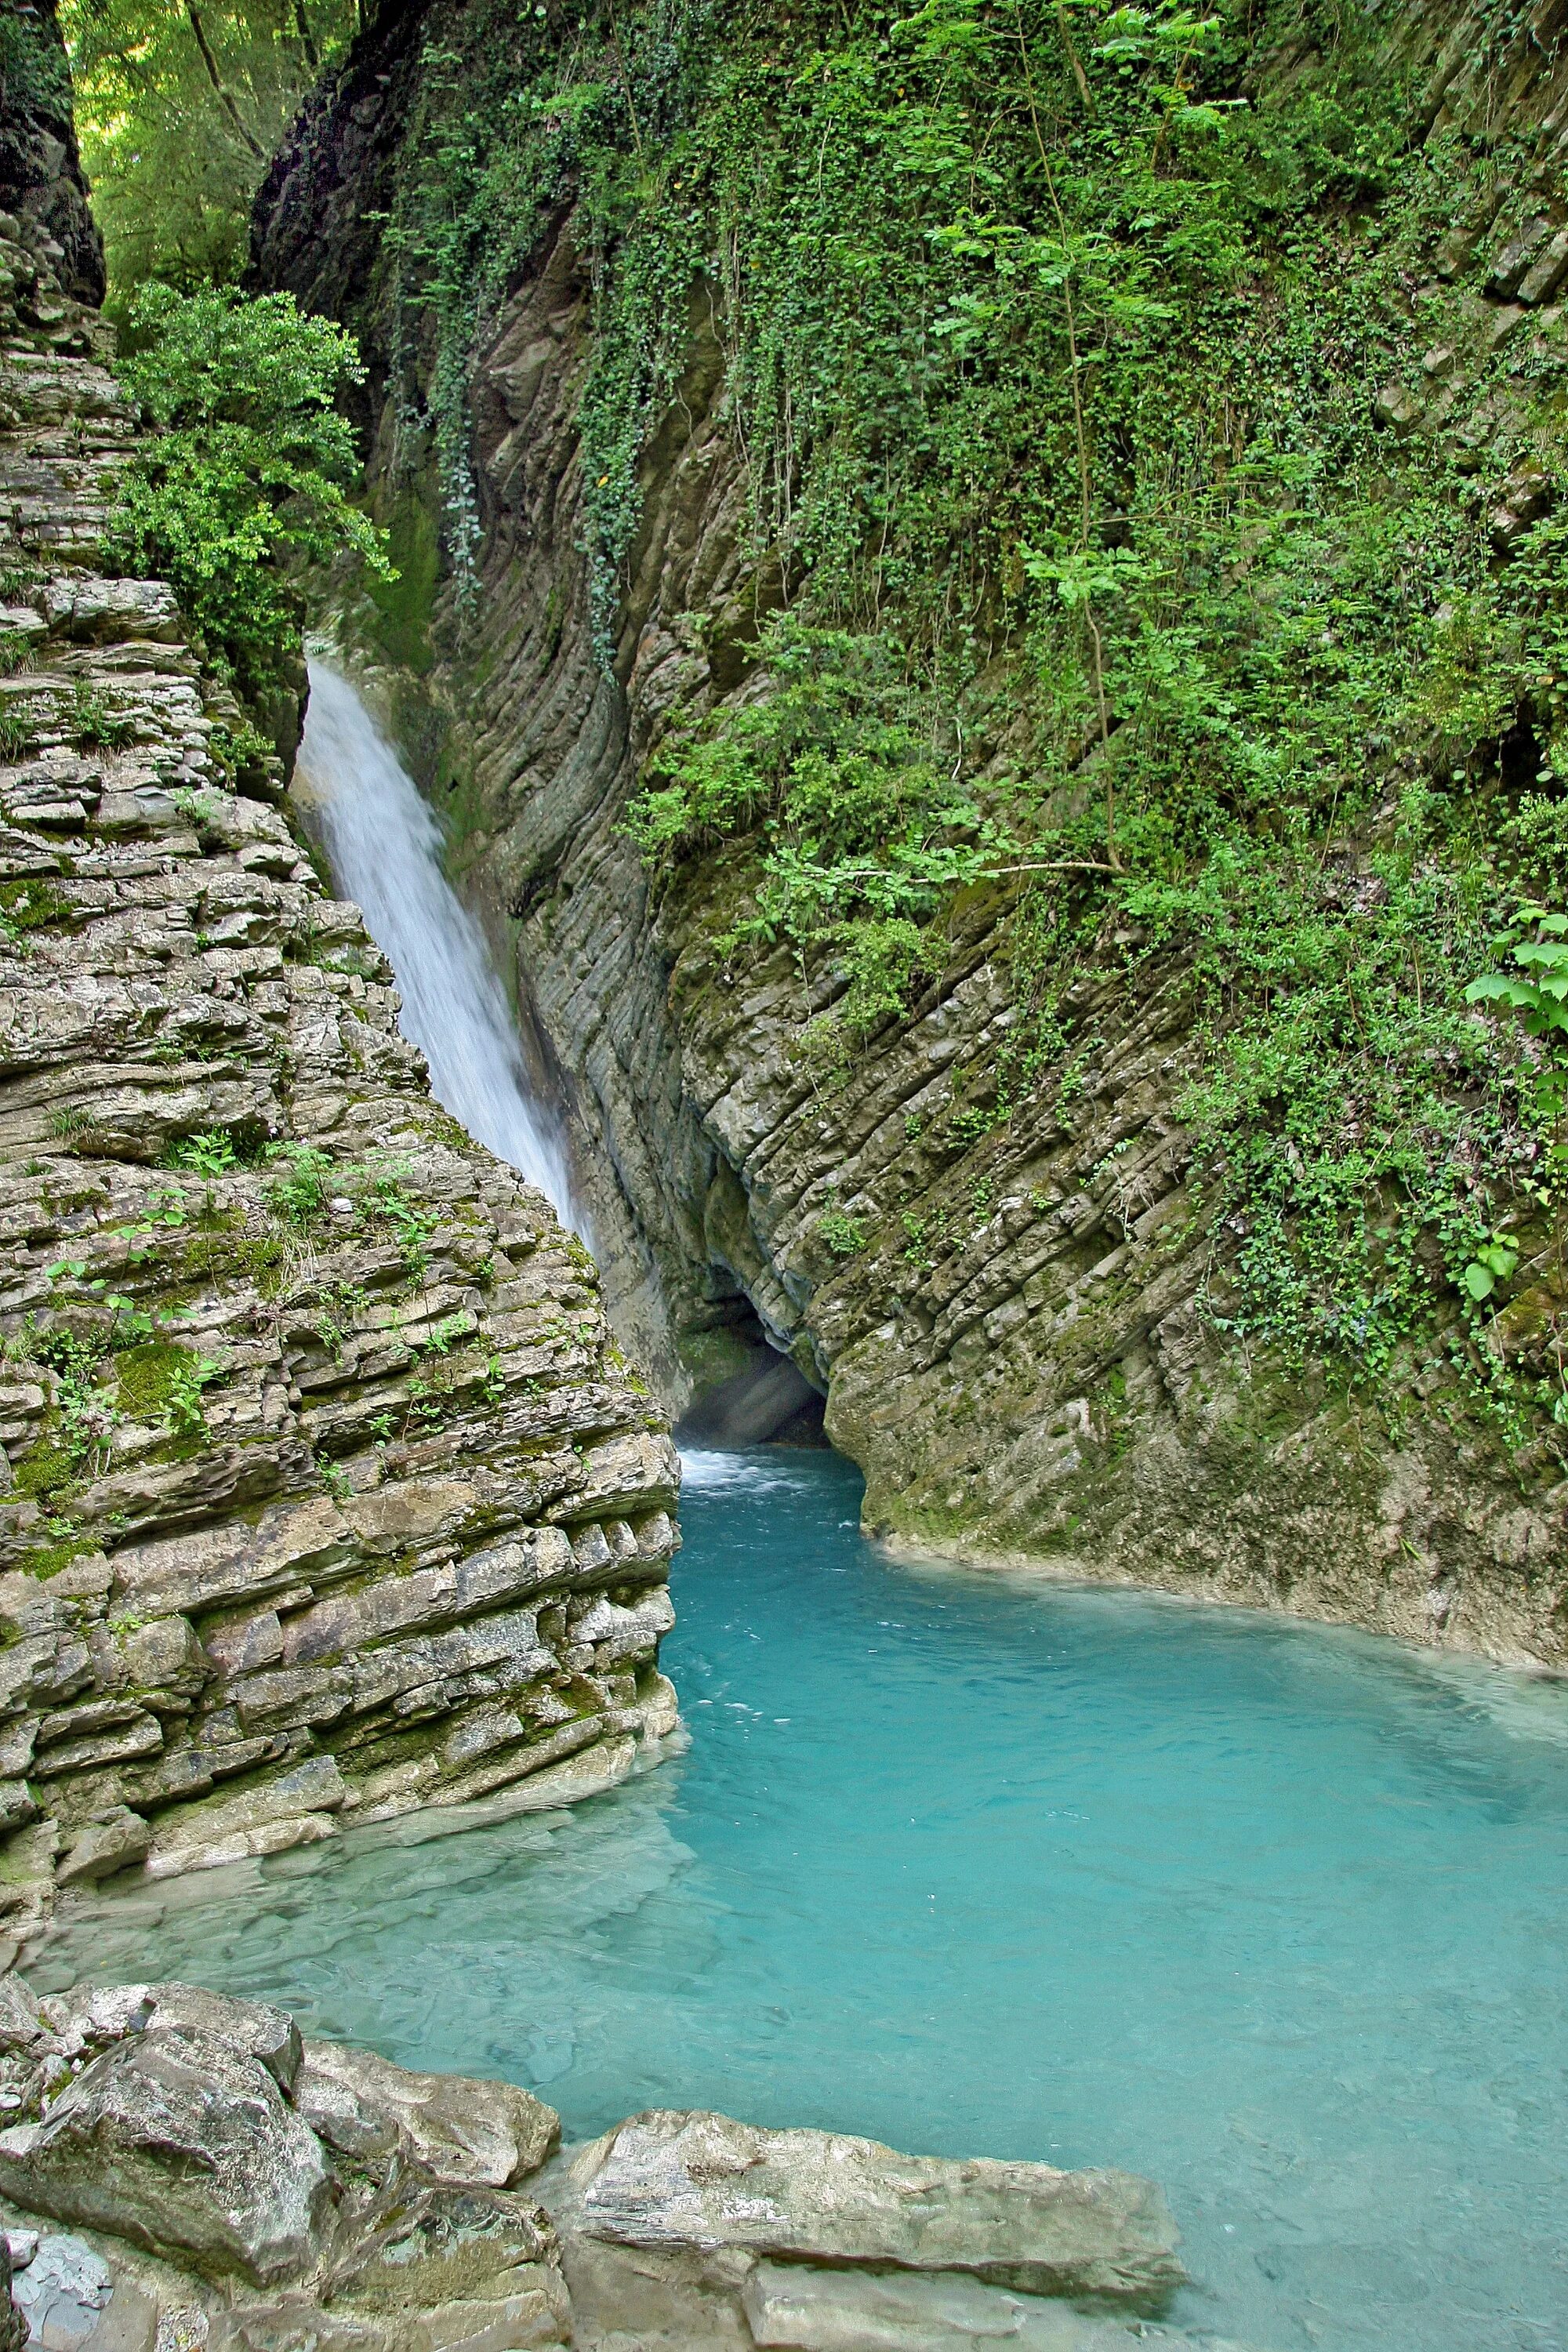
(325, 1491)
(213, 2195)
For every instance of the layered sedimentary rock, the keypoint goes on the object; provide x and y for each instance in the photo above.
(326, 1491)
(1013, 1321)
(170, 2177)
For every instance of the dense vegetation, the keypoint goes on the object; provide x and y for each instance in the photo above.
(1097, 570)
(179, 107)
(242, 478)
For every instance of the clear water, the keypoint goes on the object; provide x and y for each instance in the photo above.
(1276, 1915)
(385, 850)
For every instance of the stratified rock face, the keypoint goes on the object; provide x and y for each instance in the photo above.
(324, 1492)
(1007, 1316)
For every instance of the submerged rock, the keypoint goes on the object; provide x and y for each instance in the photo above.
(939, 2311)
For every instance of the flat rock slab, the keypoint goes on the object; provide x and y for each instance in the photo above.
(176, 2140)
(789, 2305)
(707, 2182)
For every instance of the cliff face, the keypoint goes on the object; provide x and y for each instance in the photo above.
(327, 1493)
(1016, 1313)
(40, 168)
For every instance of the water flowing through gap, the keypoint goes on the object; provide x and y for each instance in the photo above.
(1276, 1915)
(384, 847)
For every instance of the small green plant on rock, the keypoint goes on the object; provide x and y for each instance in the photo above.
(90, 721)
(28, 906)
(1493, 1262)
(1537, 989)
(18, 732)
(841, 1232)
(212, 1152)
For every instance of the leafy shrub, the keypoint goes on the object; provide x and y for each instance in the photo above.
(245, 475)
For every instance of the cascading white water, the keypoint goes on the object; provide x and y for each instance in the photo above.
(384, 847)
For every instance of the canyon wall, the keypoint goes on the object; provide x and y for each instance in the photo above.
(1018, 1322)
(327, 1492)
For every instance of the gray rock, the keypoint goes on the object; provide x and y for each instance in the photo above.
(63, 2293)
(176, 2141)
(470, 2133)
(439, 2267)
(788, 2303)
(90, 2015)
(254, 2026)
(295, 1809)
(22, 2026)
(14, 2327)
(702, 2181)
(116, 1840)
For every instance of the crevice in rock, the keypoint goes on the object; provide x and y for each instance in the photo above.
(768, 1402)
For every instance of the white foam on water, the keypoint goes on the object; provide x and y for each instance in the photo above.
(704, 1471)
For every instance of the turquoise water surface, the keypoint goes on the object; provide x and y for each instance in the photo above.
(1275, 1914)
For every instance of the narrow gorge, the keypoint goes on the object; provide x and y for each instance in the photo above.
(1043, 1205)
(836, 732)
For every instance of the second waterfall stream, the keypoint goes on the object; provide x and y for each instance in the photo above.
(384, 847)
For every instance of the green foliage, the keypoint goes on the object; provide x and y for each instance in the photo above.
(1050, 340)
(18, 731)
(28, 906)
(299, 1196)
(212, 1153)
(175, 137)
(92, 723)
(864, 831)
(162, 1382)
(1538, 991)
(840, 1232)
(1493, 1262)
(246, 472)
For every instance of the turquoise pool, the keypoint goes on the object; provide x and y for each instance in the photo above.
(1275, 1914)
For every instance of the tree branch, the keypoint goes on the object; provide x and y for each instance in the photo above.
(224, 97)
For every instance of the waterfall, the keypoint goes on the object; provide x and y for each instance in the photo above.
(384, 847)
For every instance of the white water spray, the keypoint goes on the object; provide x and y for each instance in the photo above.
(384, 847)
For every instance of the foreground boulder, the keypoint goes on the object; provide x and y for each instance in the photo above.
(215, 2179)
(471, 2134)
(180, 2143)
(705, 2180)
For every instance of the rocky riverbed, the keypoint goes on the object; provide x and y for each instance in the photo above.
(183, 2171)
